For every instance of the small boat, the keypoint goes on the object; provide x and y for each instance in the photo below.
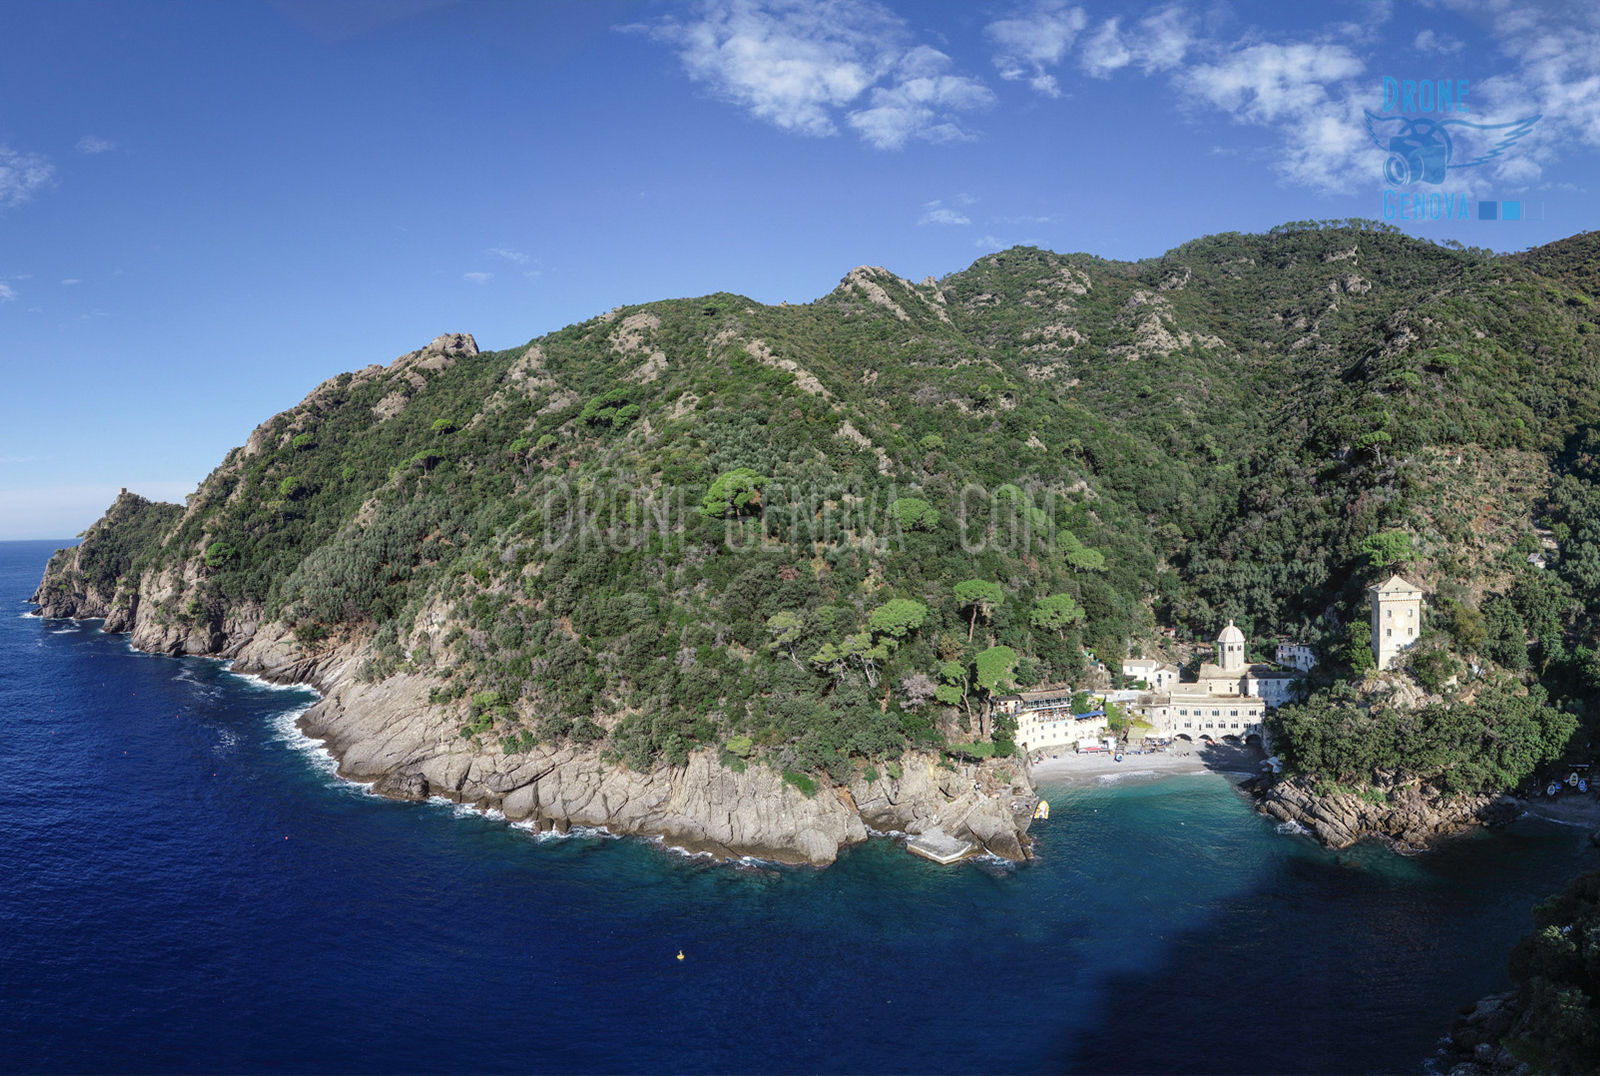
(1118, 758)
(1042, 812)
(1583, 784)
(1555, 786)
(680, 954)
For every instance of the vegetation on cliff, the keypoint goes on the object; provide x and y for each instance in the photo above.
(826, 533)
(1556, 970)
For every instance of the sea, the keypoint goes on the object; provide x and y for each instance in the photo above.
(187, 886)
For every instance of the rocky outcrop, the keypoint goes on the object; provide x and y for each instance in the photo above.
(1411, 817)
(1475, 1044)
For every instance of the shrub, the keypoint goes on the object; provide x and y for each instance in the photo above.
(806, 785)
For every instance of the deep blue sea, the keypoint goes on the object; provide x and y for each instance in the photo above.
(186, 887)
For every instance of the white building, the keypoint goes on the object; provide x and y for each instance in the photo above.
(1396, 618)
(1045, 718)
(1156, 675)
(1196, 714)
(1296, 656)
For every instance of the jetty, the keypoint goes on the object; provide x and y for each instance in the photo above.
(938, 846)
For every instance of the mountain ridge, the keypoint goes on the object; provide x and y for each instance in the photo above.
(1217, 432)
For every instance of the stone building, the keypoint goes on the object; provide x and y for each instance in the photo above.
(1396, 618)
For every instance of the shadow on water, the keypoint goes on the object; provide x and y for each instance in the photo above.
(1351, 961)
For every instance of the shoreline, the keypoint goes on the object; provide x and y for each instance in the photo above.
(1077, 770)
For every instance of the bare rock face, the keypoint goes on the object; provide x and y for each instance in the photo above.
(1409, 816)
(388, 734)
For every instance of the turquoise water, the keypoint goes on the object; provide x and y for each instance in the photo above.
(190, 889)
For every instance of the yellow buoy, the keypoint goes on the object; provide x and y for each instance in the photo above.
(680, 954)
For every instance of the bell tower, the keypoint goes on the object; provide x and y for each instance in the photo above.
(1230, 649)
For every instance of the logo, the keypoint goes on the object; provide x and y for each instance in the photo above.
(1422, 150)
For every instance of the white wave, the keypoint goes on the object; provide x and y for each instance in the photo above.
(1559, 821)
(531, 828)
(257, 682)
(1291, 827)
(316, 752)
(684, 852)
(63, 631)
(1108, 778)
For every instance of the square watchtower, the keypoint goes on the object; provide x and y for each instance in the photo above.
(1396, 618)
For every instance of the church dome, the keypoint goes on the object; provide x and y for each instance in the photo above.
(1231, 634)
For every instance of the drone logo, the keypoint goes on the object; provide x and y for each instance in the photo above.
(1421, 149)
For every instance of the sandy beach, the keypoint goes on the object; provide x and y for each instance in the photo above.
(1072, 768)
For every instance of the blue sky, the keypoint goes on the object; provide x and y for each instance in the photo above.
(206, 209)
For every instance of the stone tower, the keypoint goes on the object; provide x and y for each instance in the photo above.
(1230, 649)
(1396, 618)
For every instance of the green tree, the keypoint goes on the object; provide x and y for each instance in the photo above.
(979, 597)
(1057, 613)
(733, 493)
(786, 628)
(914, 513)
(1388, 550)
(1358, 648)
(897, 617)
(1080, 557)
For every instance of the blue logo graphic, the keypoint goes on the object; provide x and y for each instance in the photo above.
(1422, 149)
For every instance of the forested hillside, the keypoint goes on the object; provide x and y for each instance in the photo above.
(817, 535)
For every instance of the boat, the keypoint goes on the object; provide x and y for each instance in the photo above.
(1042, 812)
(1555, 786)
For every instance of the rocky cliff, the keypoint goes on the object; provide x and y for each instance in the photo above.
(1409, 816)
(387, 733)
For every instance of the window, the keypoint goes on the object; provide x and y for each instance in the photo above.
(1388, 633)
(1408, 614)
(1188, 724)
(1235, 725)
(1215, 713)
(1389, 613)
(1408, 633)
(1233, 713)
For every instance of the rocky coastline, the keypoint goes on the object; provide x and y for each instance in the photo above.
(1408, 817)
(387, 734)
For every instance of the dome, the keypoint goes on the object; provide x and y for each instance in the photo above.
(1231, 634)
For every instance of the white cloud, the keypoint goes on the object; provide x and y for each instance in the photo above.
(1308, 94)
(72, 280)
(920, 102)
(798, 65)
(8, 294)
(1443, 44)
(509, 255)
(1158, 43)
(1557, 52)
(22, 175)
(93, 144)
(936, 215)
(1034, 40)
(478, 278)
